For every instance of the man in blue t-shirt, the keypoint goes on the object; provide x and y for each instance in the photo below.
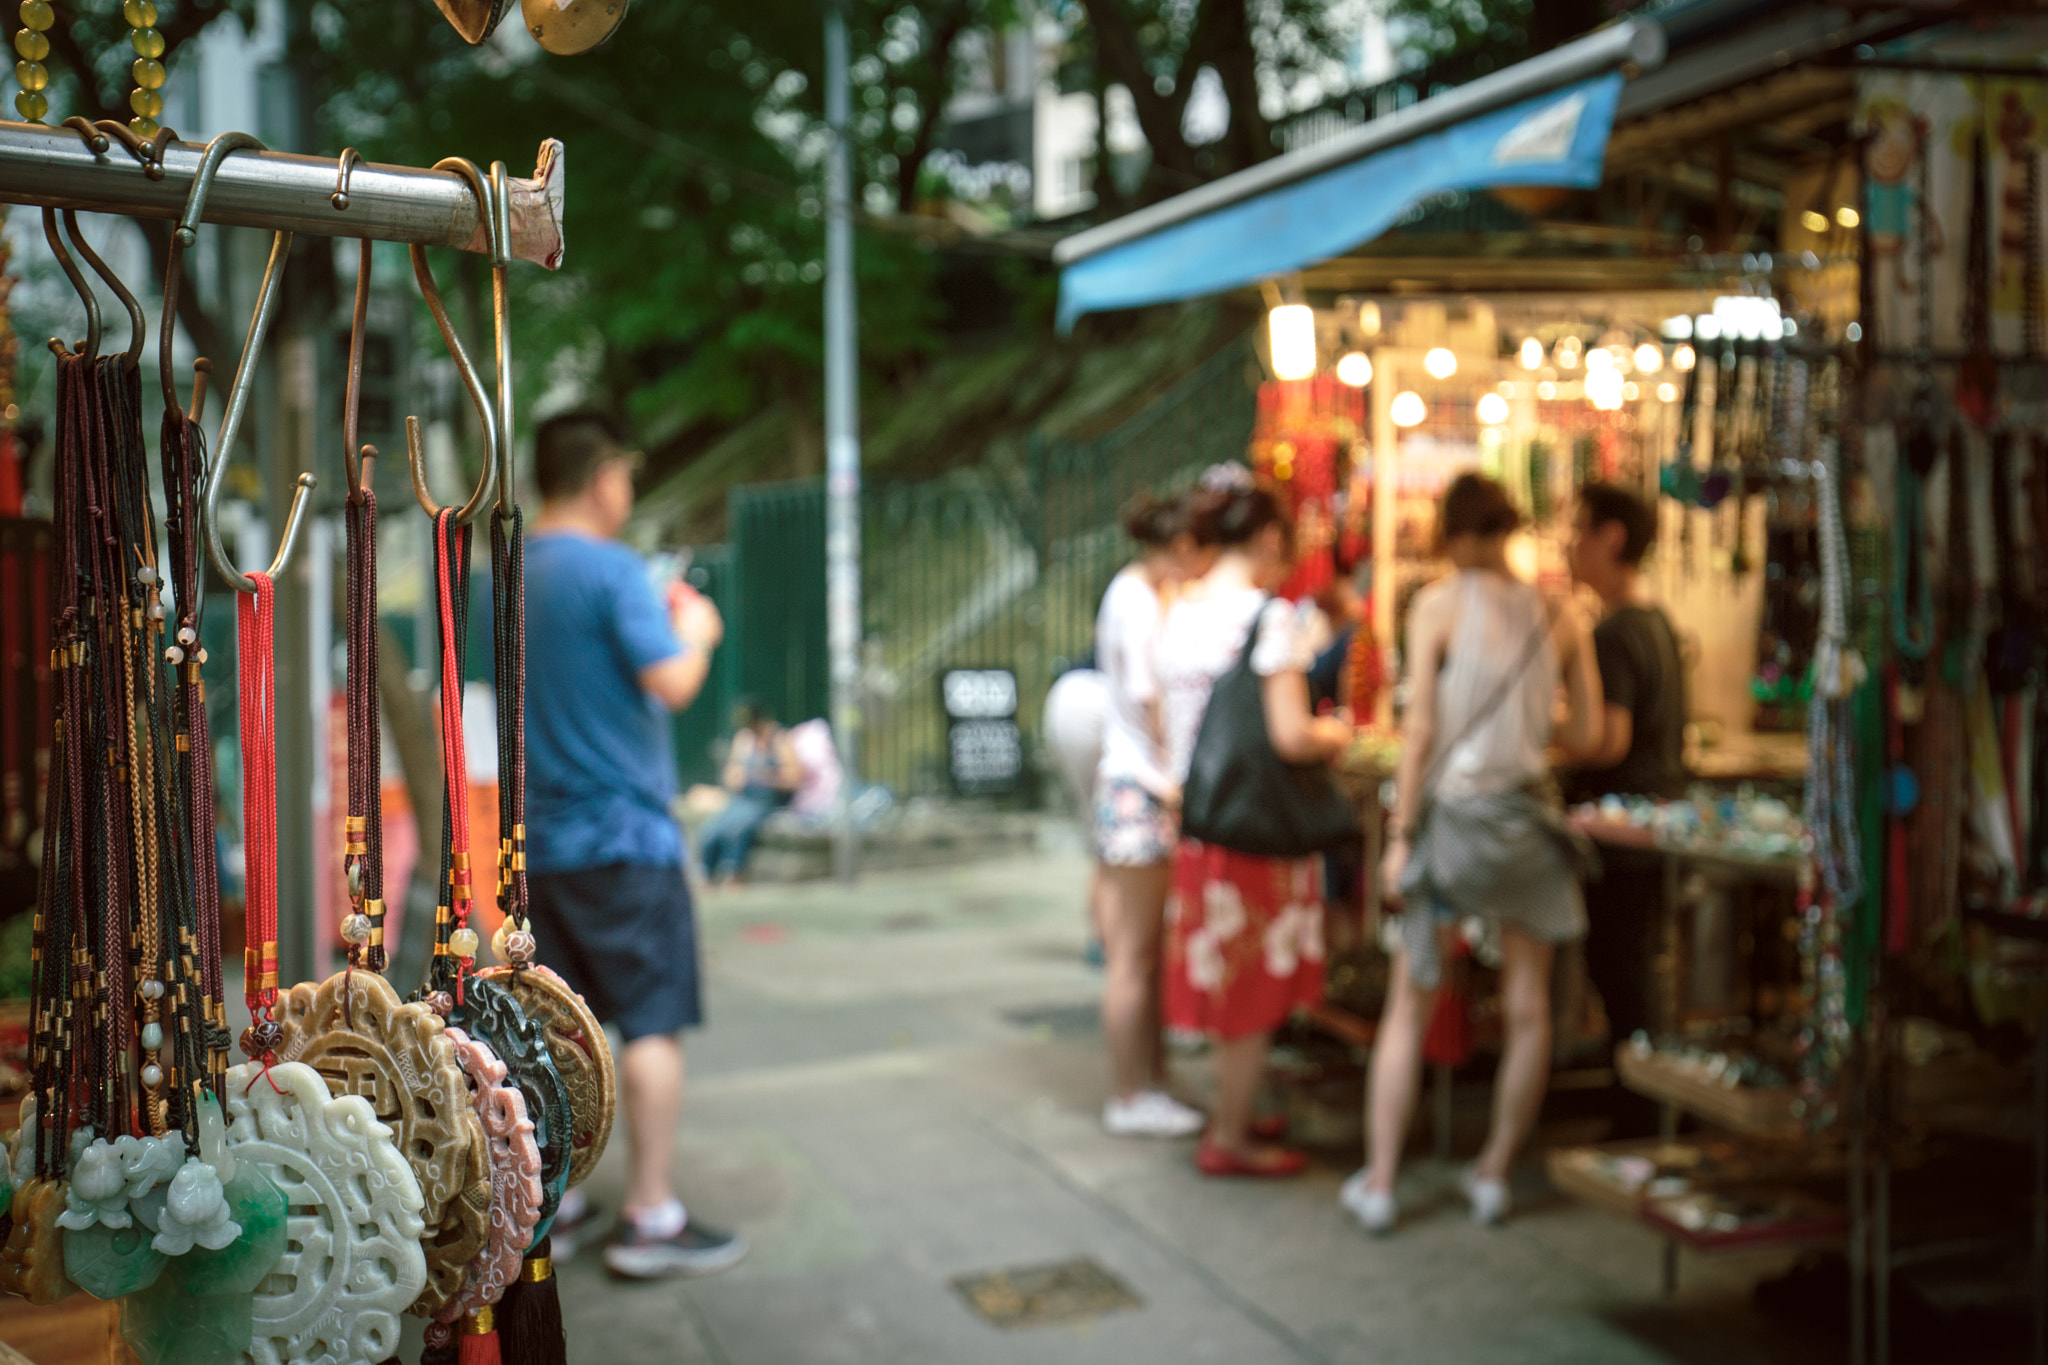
(607, 660)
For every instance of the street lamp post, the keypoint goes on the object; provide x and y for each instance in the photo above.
(842, 439)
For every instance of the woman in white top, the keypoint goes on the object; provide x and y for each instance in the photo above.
(1478, 831)
(1245, 938)
(1136, 824)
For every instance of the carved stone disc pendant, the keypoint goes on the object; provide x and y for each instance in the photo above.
(577, 1044)
(493, 1016)
(352, 1261)
(353, 1029)
(515, 1179)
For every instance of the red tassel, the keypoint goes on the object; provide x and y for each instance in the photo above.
(477, 1341)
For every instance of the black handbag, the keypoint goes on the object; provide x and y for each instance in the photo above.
(1241, 795)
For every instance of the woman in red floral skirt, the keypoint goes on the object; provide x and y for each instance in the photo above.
(1245, 942)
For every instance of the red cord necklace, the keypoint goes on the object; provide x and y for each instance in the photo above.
(256, 678)
(450, 540)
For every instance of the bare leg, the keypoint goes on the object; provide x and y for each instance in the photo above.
(1396, 1072)
(1240, 1066)
(652, 1085)
(1525, 1063)
(1134, 912)
(1098, 903)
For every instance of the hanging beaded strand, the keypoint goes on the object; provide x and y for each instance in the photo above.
(147, 98)
(32, 46)
(256, 666)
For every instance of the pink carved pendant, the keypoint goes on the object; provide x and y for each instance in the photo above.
(515, 1179)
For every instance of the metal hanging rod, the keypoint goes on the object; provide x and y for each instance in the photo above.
(284, 192)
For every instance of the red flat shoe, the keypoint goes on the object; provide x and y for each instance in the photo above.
(1261, 1163)
(1268, 1128)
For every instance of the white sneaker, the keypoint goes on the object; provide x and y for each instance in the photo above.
(1151, 1113)
(1490, 1202)
(1374, 1209)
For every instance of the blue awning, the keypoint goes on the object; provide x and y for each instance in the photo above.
(1558, 137)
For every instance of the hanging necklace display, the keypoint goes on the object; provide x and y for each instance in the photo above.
(481, 1008)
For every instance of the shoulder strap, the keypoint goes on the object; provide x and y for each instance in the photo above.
(1493, 702)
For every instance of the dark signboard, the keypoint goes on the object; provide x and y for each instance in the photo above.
(984, 747)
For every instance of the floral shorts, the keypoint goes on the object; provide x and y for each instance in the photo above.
(1132, 827)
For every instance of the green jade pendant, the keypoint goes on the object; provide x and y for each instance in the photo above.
(166, 1325)
(109, 1263)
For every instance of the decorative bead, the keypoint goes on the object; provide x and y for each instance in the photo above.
(514, 947)
(463, 943)
(151, 990)
(139, 13)
(174, 655)
(147, 42)
(201, 656)
(32, 105)
(144, 128)
(147, 103)
(262, 1038)
(440, 1002)
(148, 73)
(31, 44)
(37, 14)
(356, 928)
(32, 75)
(152, 1075)
(187, 636)
(156, 611)
(152, 1036)
(146, 576)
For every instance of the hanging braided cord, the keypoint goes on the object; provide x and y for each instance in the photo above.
(256, 676)
(451, 566)
(365, 845)
(508, 585)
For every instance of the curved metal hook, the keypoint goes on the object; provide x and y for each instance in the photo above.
(351, 407)
(136, 320)
(415, 450)
(349, 159)
(501, 257)
(187, 233)
(230, 427)
(85, 294)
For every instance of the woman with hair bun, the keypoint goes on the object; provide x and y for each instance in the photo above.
(1478, 831)
(1135, 823)
(1245, 941)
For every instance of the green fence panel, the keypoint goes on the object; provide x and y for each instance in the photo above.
(776, 634)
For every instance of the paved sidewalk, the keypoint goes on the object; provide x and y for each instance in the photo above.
(900, 1086)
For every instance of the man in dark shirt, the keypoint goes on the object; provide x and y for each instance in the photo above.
(1642, 753)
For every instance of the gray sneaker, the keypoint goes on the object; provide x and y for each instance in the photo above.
(696, 1250)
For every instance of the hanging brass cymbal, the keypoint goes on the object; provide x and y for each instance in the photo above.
(569, 27)
(473, 19)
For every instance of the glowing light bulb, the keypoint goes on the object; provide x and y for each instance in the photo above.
(1649, 359)
(1683, 358)
(1408, 409)
(1667, 393)
(1355, 369)
(1603, 389)
(1532, 353)
(1814, 222)
(1547, 390)
(1369, 318)
(1847, 216)
(1567, 353)
(1630, 391)
(1492, 409)
(1292, 329)
(1599, 362)
(1440, 363)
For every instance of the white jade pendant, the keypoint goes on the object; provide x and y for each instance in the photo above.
(352, 1260)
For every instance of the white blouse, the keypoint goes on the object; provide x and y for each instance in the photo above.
(1200, 641)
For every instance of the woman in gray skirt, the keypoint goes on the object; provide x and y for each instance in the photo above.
(1478, 830)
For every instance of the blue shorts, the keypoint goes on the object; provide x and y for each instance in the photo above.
(625, 938)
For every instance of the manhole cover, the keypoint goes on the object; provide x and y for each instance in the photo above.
(1044, 1295)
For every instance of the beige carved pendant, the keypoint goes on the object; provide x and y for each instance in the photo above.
(515, 1180)
(32, 1265)
(576, 1044)
(355, 1031)
(352, 1261)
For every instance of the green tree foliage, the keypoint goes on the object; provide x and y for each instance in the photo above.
(691, 292)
